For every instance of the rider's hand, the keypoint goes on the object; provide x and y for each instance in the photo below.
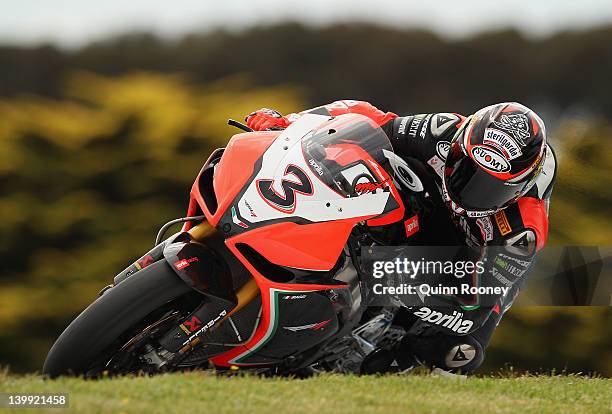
(266, 119)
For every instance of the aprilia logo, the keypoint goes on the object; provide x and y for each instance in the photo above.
(411, 225)
(453, 322)
(315, 166)
(183, 263)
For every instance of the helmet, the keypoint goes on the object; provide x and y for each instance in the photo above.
(494, 158)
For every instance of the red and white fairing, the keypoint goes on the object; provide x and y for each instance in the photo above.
(294, 197)
(320, 204)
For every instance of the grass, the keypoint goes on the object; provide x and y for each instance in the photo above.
(206, 393)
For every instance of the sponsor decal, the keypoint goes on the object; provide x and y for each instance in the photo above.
(486, 228)
(501, 278)
(401, 130)
(460, 355)
(437, 164)
(315, 166)
(483, 213)
(509, 267)
(490, 159)
(246, 203)
(312, 326)
(144, 262)
(414, 125)
(424, 127)
(403, 173)
(411, 225)
(515, 259)
(183, 263)
(191, 325)
(206, 327)
(516, 124)
(294, 297)
(286, 202)
(503, 142)
(502, 223)
(454, 322)
(368, 187)
(442, 148)
(441, 122)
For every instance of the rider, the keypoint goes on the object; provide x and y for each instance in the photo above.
(486, 181)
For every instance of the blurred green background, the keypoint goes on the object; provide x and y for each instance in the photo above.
(99, 146)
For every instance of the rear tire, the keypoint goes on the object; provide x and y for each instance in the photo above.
(92, 336)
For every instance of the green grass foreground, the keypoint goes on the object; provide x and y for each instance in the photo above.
(204, 392)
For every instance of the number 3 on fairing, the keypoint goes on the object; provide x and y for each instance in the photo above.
(286, 202)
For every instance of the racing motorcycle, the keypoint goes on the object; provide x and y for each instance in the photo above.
(265, 272)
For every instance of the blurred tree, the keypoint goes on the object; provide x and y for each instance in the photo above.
(87, 180)
(401, 70)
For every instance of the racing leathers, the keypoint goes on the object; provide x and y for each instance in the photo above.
(506, 241)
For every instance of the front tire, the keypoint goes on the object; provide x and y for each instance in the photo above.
(86, 343)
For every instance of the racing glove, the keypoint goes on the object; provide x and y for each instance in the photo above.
(266, 119)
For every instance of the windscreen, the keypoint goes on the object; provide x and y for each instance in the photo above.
(350, 155)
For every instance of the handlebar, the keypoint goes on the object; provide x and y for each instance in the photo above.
(239, 125)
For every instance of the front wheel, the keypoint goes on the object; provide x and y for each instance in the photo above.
(116, 333)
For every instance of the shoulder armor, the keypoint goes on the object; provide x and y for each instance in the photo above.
(522, 243)
(442, 123)
(522, 227)
(425, 137)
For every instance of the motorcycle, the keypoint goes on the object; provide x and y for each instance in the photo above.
(265, 273)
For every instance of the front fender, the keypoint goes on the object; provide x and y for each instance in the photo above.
(200, 267)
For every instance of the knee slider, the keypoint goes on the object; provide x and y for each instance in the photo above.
(459, 354)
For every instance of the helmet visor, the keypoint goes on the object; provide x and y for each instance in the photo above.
(471, 187)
